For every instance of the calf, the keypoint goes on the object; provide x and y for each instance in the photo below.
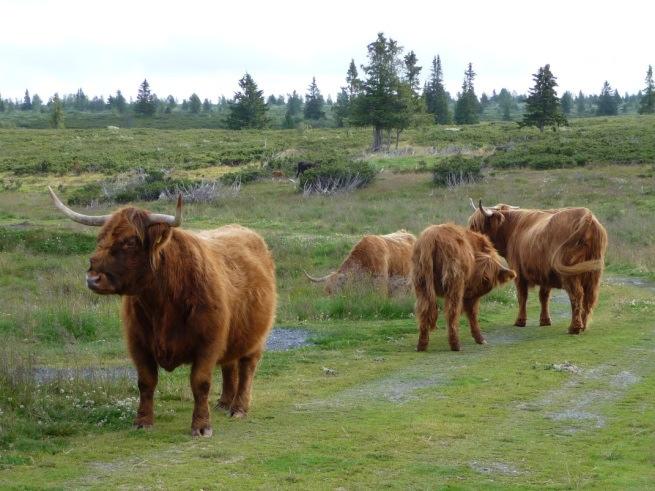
(459, 265)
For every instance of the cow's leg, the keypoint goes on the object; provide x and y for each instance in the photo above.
(591, 288)
(201, 380)
(522, 293)
(472, 307)
(544, 297)
(230, 373)
(452, 308)
(576, 294)
(146, 368)
(427, 313)
(247, 367)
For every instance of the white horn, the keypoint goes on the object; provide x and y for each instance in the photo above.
(173, 221)
(94, 221)
(484, 210)
(317, 280)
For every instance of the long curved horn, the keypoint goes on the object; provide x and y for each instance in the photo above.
(486, 212)
(94, 221)
(317, 280)
(475, 208)
(173, 221)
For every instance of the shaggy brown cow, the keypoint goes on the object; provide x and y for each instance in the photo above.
(560, 248)
(459, 265)
(385, 258)
(203, 298)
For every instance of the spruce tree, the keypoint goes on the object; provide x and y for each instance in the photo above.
(56, 112)
(248, 109)
(314, 102)
(27, 101)
(194, 104)
(2, 104)
(542, 107)
(467, 108)
(353, 83)
(341, 108)
(382, 100)
(206, 105)
(647, 102)
(436, 98)
(36, 102)
(412, 72)
(607, 105)
(580, 105)
(566, 103)
(145, 101)
(505, 103)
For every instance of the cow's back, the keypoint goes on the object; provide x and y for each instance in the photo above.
(247, 270)
(399, 252)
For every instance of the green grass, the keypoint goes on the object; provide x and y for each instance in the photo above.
(359, 408)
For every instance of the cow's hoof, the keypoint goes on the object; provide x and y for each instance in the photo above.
(421, 347)
(481, 341)
(574, 330)
(237, 413)
(544, 322)
(223, 405)
(205, 431)
(142, 425)
(455, 348)
(520, 323)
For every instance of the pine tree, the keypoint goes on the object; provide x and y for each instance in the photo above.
(353, 83)
(580, 105)
(294, 108)
(436, 98)
(467, 108)
(341, 108)
(206, 105)
(606, 102)
(3, 107)
(117, 102)
(56, 112)
(412, 72)
(314, 102)
(647, 101)
(566, 103)
(145, 101)
(194, 104)
(27, 102)
(382, 100)
(80, 100)
(36, 102)
(506, 103)
(542, 108)
(171, 103)
(248, 110)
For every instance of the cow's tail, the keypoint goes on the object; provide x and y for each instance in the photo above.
(588, 236)
(424, 287)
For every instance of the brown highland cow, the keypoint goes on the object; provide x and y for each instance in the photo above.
(205, 299)
(459, 265)
(560, 248)
(386, 259)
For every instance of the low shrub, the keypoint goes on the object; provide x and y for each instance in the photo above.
(249, 173)
(456, 170)
(328, 178)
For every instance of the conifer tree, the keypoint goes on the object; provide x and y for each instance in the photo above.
(248, 110)
(341, 108)
(27, 101)
(145, 101)
(647, 102)
(607, 105)
(294, 108)
(314, 102)
(467, 108)
(206, 105)
(566, 103)
(542, 107)
(382, 100)
(436, 98)
(194, 104)
(580, 106)
(56, 112)
(353, 83)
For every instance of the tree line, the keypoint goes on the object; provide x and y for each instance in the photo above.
(385, 94)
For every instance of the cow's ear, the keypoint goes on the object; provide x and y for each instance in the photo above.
(159, 234)
(505, 275)
(495, 220)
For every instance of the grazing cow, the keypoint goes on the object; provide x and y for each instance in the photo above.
(204, 298)
(303, 166)
(560, 248)
(384, 258)
(459, 265)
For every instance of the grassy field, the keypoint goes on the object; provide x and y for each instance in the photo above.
(358, 407)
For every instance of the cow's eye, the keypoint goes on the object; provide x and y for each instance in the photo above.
(131, 243)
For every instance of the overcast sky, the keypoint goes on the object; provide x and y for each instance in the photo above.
(206, 46)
